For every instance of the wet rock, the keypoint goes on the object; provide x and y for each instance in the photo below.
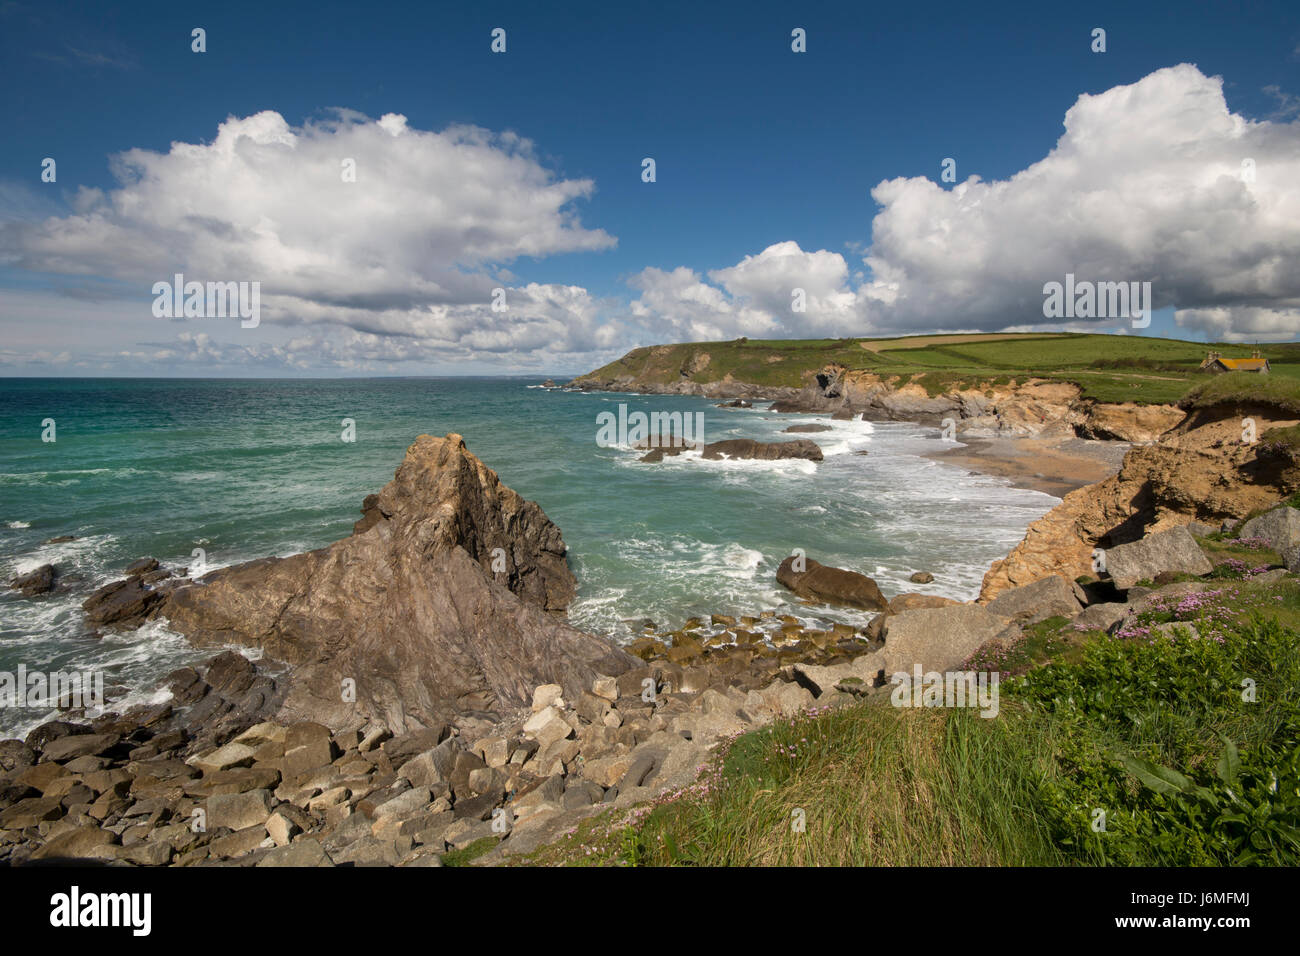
(818, 582)
(40, 581)
(748, 448)
(122, 604)
(143, 566)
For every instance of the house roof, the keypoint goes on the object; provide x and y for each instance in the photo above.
(1243, 365)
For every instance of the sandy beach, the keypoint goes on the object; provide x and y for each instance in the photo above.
(1053, 466)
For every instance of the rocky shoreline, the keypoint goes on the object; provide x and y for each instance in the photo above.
(420, 692)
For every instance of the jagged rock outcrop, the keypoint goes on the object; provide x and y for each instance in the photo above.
(443, 602)
(1199, 471)
(1129, 422)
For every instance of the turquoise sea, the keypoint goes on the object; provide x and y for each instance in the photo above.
(247, 468)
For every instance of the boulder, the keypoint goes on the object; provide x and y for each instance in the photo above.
(239, 811)
(748, 448)
(411, 608)
(80, 745)
(921, 577)
(936, 638)
(818, 582)
(1280, 527)
(1100, 617)
(39, 581)
(1051, 596)
(1174, 551)
(82, 843)
(547, 695)
(798, 429)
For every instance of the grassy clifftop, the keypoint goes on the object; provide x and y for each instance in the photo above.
(1109, 368)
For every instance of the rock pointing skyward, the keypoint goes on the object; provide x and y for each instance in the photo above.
(409, 607)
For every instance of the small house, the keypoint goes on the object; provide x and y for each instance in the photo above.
(1216, 363)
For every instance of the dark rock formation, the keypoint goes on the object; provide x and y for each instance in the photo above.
(40, 581)
(446, 601)
(764, 451)
(796, 429)
(817, 582)
(743, 448)
(123, 604)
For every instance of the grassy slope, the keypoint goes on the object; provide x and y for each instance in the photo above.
(1154, 732)
(1110, 368)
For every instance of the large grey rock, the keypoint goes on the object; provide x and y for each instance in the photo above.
(1279, 527)
(415, 609)
(1174, 551)
(1052, 596)
(937, 638)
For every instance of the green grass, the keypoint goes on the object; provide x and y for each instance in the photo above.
(468, 854)
(871, 785)
(1106, 368)
(1153, 736)
(1280, 392)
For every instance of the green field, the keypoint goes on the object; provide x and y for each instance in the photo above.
(1108, 368)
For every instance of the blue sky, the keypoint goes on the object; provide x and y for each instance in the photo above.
(755, 146)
